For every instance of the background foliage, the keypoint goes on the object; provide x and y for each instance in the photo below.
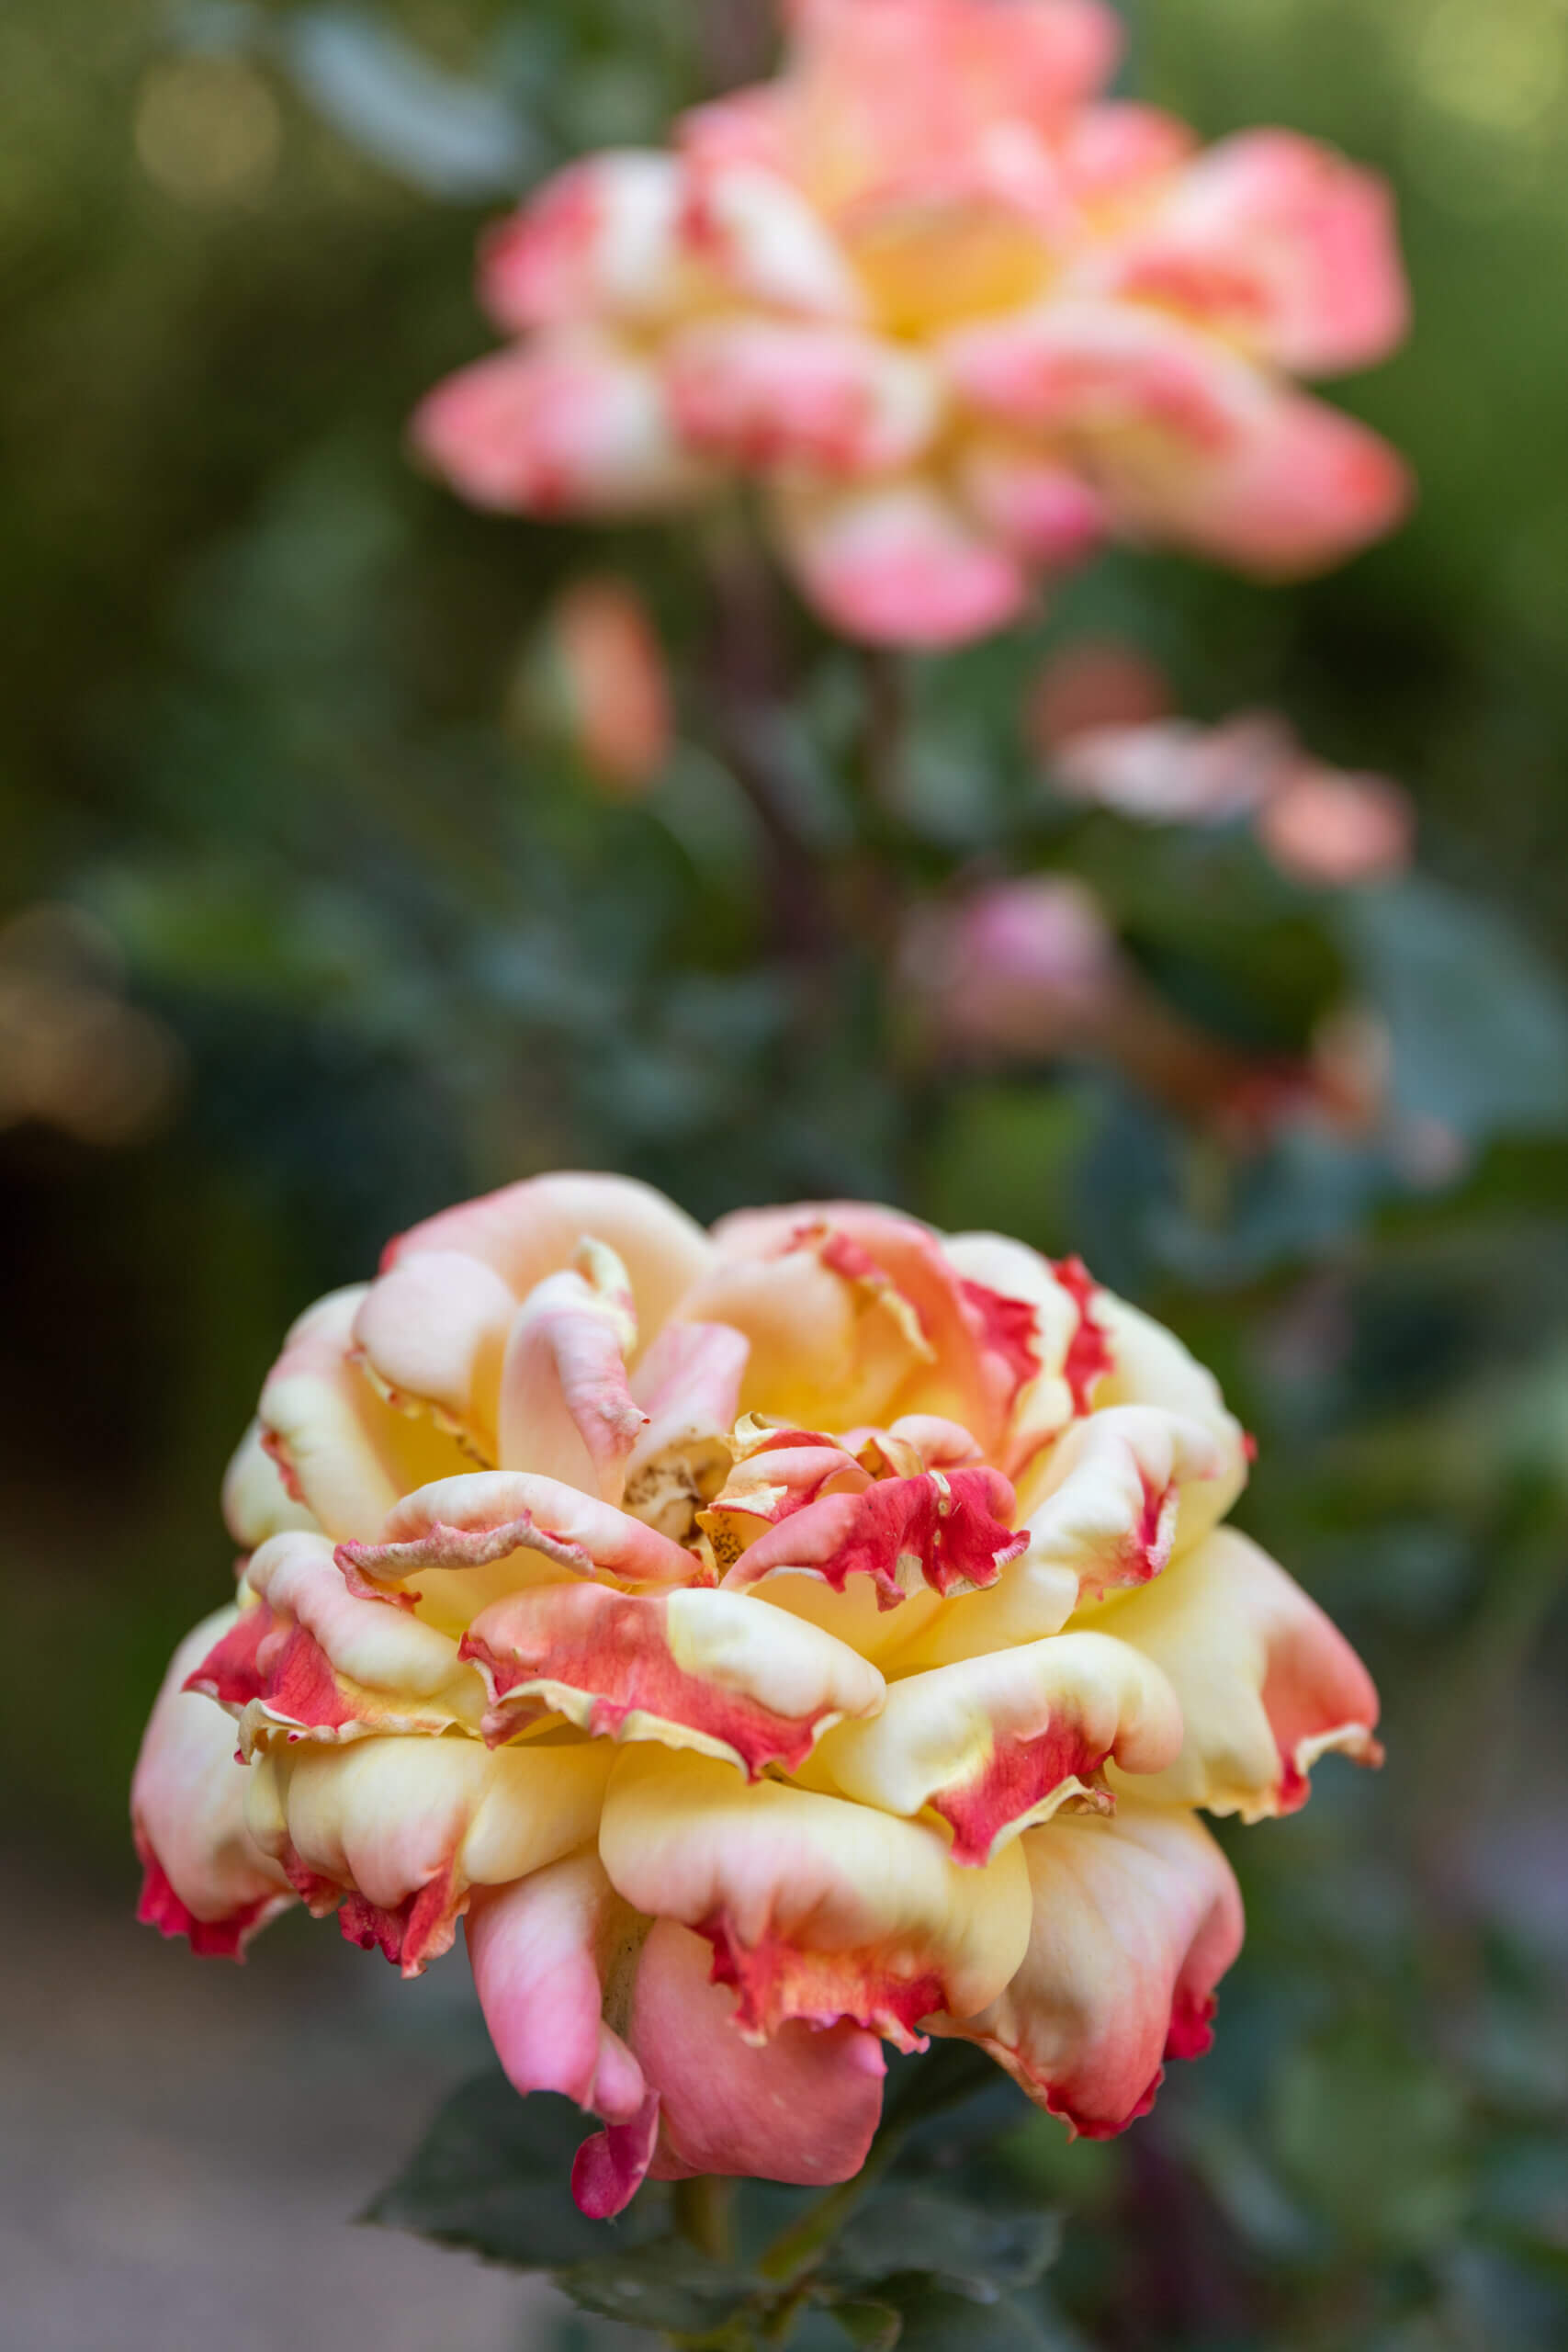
(263, 721)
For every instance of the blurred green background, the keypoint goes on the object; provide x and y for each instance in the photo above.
(356, 939)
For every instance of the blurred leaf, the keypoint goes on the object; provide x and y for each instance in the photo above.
(963, 2233)
(664, 2285)
(450, 137)
(1374, 2136)
(493, 2173)
(936, 2319)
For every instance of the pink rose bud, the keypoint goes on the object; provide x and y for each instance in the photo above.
(1015, 967)
(599, 681)
(960, 315)
(794, 1537)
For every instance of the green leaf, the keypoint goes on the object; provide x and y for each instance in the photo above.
(982, 2244)
(666, 2285)
(936, 2319)
(870, 2326)
(493, 2173)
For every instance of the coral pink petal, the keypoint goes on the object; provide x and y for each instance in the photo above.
(900, 564)
(946, 1529)
(535, 1949)
(610, 2169)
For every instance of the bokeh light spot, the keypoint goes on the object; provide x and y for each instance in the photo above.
(208, 129)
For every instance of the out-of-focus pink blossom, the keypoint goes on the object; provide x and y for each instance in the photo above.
(955, 310)
(603, 685)
(1025, 967)
(1332, 831)
(1173, 771)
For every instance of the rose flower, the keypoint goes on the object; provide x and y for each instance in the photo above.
(961, 316)
(771, 1643)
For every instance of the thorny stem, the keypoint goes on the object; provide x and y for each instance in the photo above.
(702, 2214)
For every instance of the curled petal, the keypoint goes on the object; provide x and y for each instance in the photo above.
(1143, 1364)
(204, 1876)
(531, 1229)
(899, 564)
(434, 1330)
(1041, 1319)
(540, 1950)
(566, 1410)
(825, 1347)
(689, 1386)
(713, 1671)
(994, 1744)
(445, 1533)
(801, 2107)
(946, 1530)
(397, 1831)
(815, 1908)
(315, 1660)
(256, 1500)
(765, 240)
(1266, 1685)
(598, 240)
(341, 1446)
(570, 425)
(1135, 1919)
(779, 1472)
(1275, 242)
(770, 394)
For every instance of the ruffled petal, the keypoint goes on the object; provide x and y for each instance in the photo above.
(1110, 1500)
(471, 1539)
(566, 1410)
(314, 1660)
(802, 2107)
(1267, 1684)
(1041, 1320)
(946, 1530)
(815, 1908)
(1277, 243)
(994, 1744)
(601, 239)
(773, 395)
(571, 424)
(708, 1671)
(531, 1229)
(433, 1331)
(1135, 1919)
(256, 1500)
(397, 1831)
(204, 1876)
(900, 562)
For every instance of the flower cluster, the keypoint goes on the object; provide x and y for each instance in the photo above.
(775, 1641)
(960, 315)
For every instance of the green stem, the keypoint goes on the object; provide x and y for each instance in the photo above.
(703, 2215)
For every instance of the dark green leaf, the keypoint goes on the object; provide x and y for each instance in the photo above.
(984, 2244)
(665, 2284)
(936, 2319)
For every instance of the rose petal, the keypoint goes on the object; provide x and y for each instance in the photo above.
(899, 564)
(946, 1529)
(689, 1386)
(773, 395)
(566, 1410)
(1134, 1920)
(598, 240)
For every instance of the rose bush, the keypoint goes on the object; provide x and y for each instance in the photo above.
(772, 1641)
(959, 314)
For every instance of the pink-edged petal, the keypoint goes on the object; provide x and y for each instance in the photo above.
(397, 1831)
(713, 1671)
(433, 1331)
(777, 395)
(523, 1531)
(566, 1410)
(342, 1447)
(1093, 373)
(573, 425)
(1107, 1515)
(1280, 243)
(1135, 1919)
(314, 1660)
(946, 1530)
(1265, 1683)
(256, 1500)
(533, 1228)
(540, 1950)
(802, 2107)
(204, 1877)
(1303, 487)
(815, 1908)
(689, 1386)
(881, 88)
(1039, 1319)
(1031, 502)
(1117, 154)
(764, 241)
(1143, 1364)
(899, 564)
(598, 240)
(993, 1745)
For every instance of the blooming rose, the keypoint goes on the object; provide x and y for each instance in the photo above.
(775, 1641)
(962, 317)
